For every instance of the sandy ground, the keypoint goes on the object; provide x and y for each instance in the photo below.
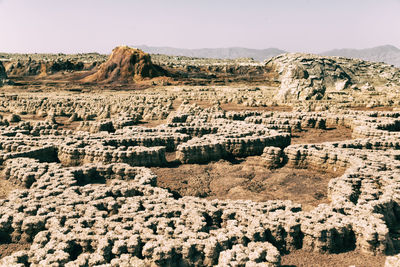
(331, 134)
(247, 178)
(5, 188)
(302, 258)
(8, 249)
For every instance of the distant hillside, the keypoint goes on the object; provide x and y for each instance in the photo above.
(386, 53)
(223, 53)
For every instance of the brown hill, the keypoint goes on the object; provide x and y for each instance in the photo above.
(126, 65)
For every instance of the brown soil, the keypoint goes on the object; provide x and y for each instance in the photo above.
(301, 258)
(64, 124)
(32, 118)
(331, 134)
(6, 187)
(249, 178)
(202, 104)
(8, 249)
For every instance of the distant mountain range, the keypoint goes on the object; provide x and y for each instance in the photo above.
(224, 53)
(386, 53)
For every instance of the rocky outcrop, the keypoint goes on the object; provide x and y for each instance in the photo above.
(311, 77)
(273, 156)
(29, 67)
(126, 65)
(254, 254)
(134, 156)
(210, 148)
(3, 74)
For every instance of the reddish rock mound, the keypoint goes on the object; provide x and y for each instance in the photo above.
(126, 65)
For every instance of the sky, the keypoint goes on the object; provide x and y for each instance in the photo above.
(312, 26)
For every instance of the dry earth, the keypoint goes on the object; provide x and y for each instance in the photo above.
(310, 136)
(312, 259)
(246, 179)
(222, 163)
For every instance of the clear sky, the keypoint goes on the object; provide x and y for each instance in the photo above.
(70, 26)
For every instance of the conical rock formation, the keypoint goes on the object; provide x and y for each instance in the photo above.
(126, 65)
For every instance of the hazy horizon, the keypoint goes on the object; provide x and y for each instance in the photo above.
(312, 26)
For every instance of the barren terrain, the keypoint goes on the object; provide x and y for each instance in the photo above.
(246, 179)
(195, 162)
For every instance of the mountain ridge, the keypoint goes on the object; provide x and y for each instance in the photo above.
(389, 54)
(222, 53)
(385, 53)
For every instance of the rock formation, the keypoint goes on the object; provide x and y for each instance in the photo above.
(311, 77)
(108, 209)
(29, 67)
(126, 65)
(3, 74)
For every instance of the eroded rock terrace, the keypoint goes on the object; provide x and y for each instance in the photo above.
(87, 198)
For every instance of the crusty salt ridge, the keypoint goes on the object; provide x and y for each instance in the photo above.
(99, 206)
